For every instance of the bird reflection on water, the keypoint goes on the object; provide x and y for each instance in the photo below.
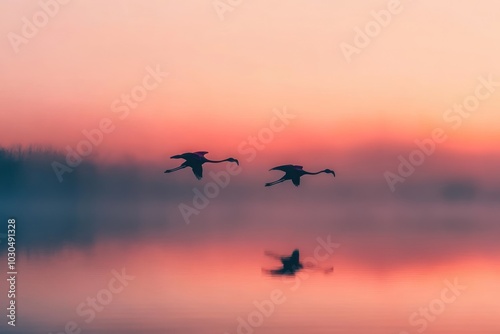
(291, 265)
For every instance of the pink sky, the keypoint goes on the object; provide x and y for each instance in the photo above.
(225, 77)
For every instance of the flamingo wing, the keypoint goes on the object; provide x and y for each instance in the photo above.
(201, 153)
(185, 156)
(189, 156)
(197, 171)
(296, 181)
(287, 168)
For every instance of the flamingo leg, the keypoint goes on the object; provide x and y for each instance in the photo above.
(275, 182)
(174, 169)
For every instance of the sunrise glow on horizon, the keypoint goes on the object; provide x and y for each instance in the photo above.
(224, 79)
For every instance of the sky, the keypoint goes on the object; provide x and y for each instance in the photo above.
(225, 77)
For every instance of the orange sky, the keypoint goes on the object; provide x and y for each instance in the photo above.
(225, 77)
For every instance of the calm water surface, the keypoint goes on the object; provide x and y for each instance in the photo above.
(393, 262)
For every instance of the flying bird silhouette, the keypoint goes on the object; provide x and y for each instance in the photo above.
(294, 172)
(291, 265)
(195, 161)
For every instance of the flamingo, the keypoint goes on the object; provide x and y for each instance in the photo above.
(294, 172)
(195, 161)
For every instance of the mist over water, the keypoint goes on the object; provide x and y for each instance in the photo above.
(205, 275)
